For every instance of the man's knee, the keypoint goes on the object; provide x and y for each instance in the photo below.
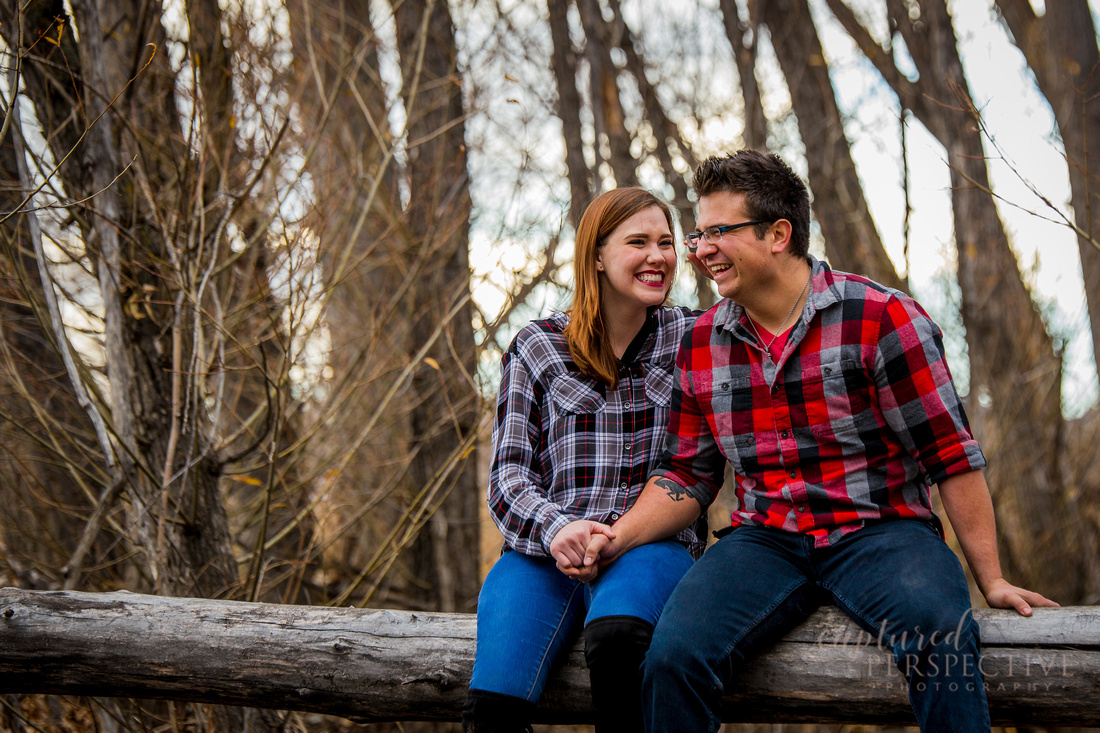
(934, 626)
(672, 652)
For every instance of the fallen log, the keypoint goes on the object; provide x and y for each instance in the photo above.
(377, 665)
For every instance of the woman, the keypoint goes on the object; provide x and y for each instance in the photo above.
(581, 418)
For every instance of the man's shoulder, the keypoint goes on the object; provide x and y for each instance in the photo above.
(861, 298)
(717, 312)
(850, 296)
(704, 333)
(850, 286)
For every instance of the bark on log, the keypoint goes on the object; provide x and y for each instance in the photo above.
(376, 665)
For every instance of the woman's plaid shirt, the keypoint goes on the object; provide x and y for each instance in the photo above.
(565, 447)
(852, 425)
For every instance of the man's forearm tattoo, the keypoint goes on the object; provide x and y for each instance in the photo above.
(676, 492)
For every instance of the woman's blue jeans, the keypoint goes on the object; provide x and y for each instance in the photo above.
(897, 579)
(529, 613)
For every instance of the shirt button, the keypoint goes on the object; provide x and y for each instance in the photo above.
(614, 516)
(725, 386)
(793, 474)
(783, 435)
(624, 485)
(801, 507)
(626, 448)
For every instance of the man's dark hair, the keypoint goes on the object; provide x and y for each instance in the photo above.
(771, 190)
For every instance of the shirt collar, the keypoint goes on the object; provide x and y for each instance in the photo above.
(636, 346)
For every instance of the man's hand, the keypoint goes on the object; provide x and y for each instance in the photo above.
(601, 552)
(969, 508)
(570, 545)
(1002, 594)
(698, 264)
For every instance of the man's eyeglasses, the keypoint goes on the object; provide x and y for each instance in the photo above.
(713, 235)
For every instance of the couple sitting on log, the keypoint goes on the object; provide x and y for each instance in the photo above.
(827, 393)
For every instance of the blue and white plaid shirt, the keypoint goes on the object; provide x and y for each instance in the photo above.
(566, 447)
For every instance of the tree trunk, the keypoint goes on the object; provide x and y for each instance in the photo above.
(667, 134)
(1015, 376)
(563, 59)
(389, 665)
(1061, 48)
(48, 440)
(1015, 381)
(607, 108)
(744, 56)
(851, 240)
(446, 405)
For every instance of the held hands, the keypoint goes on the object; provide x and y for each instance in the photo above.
(1002, 594)
(577, 548)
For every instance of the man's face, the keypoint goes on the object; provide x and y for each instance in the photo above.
(740, 261)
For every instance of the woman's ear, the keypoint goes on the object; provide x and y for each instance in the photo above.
(599, 263)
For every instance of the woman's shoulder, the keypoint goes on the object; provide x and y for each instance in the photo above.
(677, 315)
(541, 344)
(675, 319)
(672, 323)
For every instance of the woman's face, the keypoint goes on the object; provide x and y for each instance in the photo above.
(636, 261)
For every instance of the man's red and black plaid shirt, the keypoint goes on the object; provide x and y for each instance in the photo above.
(853, 424)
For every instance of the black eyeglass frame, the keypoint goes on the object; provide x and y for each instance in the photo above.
(692, 238)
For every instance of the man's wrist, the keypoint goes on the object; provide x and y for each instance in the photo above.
(988, 585)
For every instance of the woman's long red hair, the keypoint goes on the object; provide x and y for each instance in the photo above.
(586, 333)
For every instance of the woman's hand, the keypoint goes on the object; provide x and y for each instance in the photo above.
(570, 544)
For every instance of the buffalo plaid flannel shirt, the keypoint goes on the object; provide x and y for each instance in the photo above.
(565, 447)
(853, 424)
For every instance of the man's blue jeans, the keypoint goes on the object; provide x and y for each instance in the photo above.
(894, 578)
(529, 613)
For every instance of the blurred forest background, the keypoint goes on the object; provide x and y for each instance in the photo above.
(259, 258)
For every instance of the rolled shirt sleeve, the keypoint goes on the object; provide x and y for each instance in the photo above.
(917, 395)
(691, 456)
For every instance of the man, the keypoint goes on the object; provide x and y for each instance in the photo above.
(830, 396)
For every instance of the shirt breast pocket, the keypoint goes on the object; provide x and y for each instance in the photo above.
(575, 394)
(578, 436)
(838, 400)
(731, 404)
(659, 381)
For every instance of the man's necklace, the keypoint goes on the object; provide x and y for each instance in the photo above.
(760, 339)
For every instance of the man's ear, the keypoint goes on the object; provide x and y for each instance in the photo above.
(780, 235)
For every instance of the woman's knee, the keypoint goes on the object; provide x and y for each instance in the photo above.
(526, 618)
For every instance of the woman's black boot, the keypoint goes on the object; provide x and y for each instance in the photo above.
(492, 712)
(615, 647)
